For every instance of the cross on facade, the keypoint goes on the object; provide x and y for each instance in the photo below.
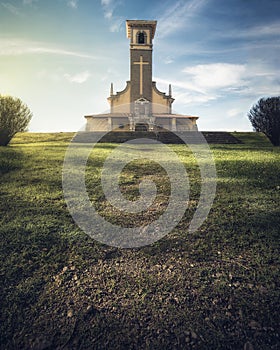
(141, 63)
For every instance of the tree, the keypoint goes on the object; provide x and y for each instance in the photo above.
(14, 117)
(265, 117)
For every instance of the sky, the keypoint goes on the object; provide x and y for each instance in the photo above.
(60, 57)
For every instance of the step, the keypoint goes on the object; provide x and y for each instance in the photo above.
(218, 137)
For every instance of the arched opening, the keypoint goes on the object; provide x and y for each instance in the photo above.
(141, 38)
(141, 127)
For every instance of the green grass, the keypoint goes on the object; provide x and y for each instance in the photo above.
(217, 288)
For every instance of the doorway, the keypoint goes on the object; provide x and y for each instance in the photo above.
(141, 127)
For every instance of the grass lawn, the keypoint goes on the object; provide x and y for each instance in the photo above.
(217, 288)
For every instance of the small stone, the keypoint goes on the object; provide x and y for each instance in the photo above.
(70, 313)
(91, 311)
(89, 308)
(194, 335)
(187, 339)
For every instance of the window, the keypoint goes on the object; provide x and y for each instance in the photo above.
(141, 37)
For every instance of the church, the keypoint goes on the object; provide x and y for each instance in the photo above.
(140, 106)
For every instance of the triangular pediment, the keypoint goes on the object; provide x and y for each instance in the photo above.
(142, 100)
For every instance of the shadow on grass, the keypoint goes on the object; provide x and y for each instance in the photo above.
(62, 290)
(10, 159)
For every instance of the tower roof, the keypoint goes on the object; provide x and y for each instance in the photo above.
(140, 23)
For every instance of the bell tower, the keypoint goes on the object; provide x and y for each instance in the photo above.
(141, 34)
(140, 106)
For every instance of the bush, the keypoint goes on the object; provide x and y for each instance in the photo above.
(14, 117)
(265, 117)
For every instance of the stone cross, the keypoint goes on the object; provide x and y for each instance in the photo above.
(141, 63)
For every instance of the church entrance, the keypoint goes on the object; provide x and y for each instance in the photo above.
(141, 127)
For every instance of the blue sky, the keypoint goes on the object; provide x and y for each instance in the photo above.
(61, 56)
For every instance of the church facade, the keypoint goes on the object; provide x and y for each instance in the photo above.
(140, 106)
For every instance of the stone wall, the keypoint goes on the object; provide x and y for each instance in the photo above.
(185, 124)
(120, 124)
(120, 102)
(97, 124)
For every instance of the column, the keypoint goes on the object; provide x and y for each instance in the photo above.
(173, 125)
(109, 123)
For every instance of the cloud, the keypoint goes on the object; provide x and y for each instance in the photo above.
(201, 84)
(234, 112)
(107, 3)
(78, 78)
(271, 29)
(11, 8)
(193, 98)
(56, 51)
(216, 75)
(204, 83)
(182, 84)
(58, 75)
(116, 24)
(258, 32)
(168, 60)
(15, 47)
(178, 15)
(29, 2)
(109, 7)
(186, 92)
(223, 79)
(73, 3)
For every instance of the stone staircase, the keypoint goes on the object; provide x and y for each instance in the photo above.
(167, 137)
